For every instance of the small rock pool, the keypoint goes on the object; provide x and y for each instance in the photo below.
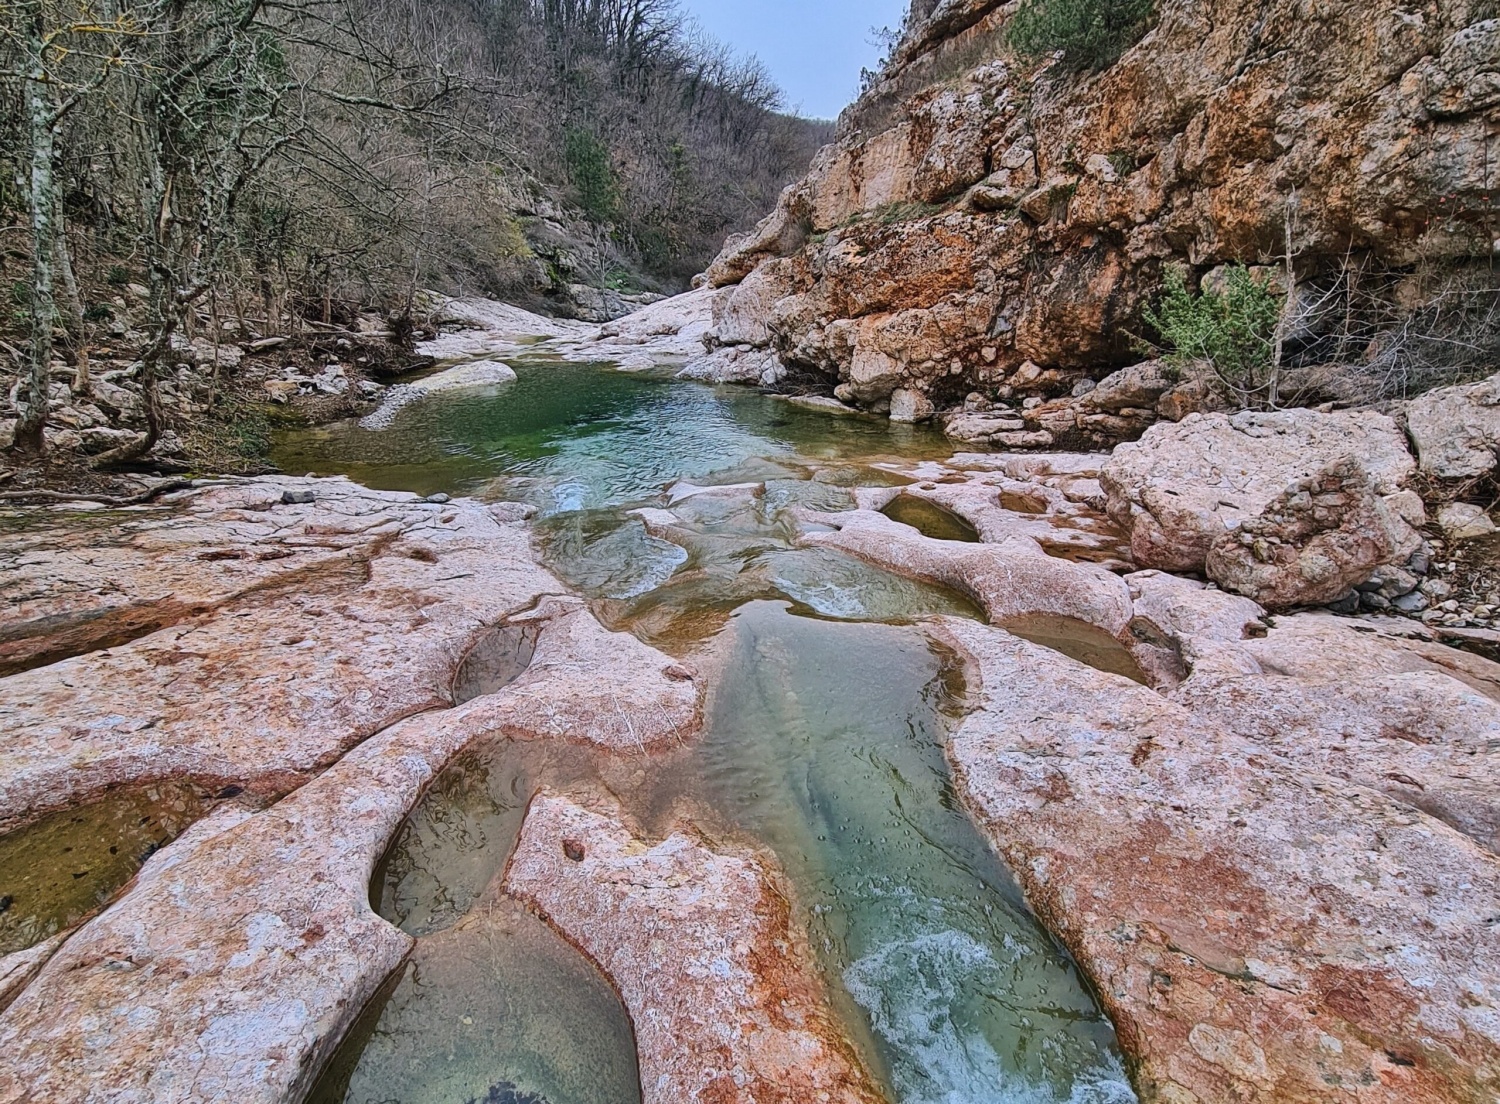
(823, 743)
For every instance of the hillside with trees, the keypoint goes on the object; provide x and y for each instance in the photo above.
(171, 169)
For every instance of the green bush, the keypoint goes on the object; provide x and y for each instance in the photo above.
(592, 175)
(1091, 33)
(1233, 329)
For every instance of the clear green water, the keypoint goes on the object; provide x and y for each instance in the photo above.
(823, 742)
(578, 436)
(65, 867)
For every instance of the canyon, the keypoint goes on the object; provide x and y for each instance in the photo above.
(868, 676)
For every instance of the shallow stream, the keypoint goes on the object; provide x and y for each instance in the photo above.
(823, 743)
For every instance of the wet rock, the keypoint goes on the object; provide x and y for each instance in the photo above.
(1457, 429)
(682, 490)
(701, 946)
(512, 513)
(1312, 545)
(824, 403)
(1182, 487)
(1060, 513)
(1013, 578)
(1261, 922)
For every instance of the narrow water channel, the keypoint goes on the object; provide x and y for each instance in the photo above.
(823, 743)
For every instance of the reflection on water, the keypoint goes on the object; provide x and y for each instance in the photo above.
(930, 519)
(1079, 640)
(578, 436)
(494, 1005)
(823, 742)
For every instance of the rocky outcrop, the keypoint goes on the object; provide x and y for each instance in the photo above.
(985, 224)
(1457, 430)
(1183, 488)
(1262, 918)
(235, 638)
(244, 951)
(1311, 545)
(701, 946)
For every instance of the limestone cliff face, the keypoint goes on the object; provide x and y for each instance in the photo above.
(990, 224)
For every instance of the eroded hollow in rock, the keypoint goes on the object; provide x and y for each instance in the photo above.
(1022, 502)
(64, 868)
(930, 519)
(494, 1005)
(499, 658)
(1078, 640)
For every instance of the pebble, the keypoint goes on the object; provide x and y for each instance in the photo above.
(438, 499)
(296, 498)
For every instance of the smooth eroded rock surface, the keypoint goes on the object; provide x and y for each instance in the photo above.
(701, 945)
(312, 627)
(245, 950)
(1265, 912)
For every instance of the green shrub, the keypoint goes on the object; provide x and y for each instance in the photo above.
(1234, 330)
(1092, 34)
(592, 175)
(98, 312)
(118, 276)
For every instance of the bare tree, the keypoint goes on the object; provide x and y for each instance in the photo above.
(51, 39)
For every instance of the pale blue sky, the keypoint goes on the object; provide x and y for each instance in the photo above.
(815, 48)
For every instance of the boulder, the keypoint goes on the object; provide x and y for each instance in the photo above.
(1311, 545)
(1457, 429)
(735, 364)
(1136, 387)
(1461, 521)
(1184, 485)
(873, 376)
(910, 407)
(741, 313)
(701, 946)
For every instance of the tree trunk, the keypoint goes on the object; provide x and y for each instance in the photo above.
(43, 140)
(77, 326)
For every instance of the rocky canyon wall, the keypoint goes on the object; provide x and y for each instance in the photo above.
(992, 226)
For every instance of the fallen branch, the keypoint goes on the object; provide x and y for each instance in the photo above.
(32, 497)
